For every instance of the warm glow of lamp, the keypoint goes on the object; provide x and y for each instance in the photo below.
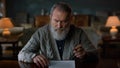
(112, 22)
(5, 23)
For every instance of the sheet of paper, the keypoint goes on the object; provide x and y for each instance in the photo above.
(62, 64)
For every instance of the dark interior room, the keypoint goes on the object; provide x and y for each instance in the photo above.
(99, 20)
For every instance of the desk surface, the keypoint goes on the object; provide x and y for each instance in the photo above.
(108, 38)
(104, 63)
(14, 38)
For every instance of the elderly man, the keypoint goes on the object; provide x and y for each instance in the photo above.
(58, 40)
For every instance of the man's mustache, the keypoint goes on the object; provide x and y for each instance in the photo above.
(61, 29)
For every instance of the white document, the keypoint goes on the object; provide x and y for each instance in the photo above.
(62, 64)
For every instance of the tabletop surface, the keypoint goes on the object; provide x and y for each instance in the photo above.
(104, 63)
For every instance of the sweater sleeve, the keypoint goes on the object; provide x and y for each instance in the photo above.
(31, 49)
(91, 50)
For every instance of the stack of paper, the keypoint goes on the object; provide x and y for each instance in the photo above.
(62, 64)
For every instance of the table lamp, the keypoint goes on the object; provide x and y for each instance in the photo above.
(5, 23)
(113, 22)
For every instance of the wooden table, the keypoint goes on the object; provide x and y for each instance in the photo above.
(14, 43)
(111, 47)
(9, 64)
(10, 40)
(102, 63)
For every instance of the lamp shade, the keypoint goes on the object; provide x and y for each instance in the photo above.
(112, 21)
(6, 23)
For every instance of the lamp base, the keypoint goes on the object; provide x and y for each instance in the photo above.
(6, 32)
(113, 32)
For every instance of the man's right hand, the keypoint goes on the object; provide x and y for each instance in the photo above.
(40, 61)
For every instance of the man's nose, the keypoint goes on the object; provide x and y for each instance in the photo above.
(59, 24)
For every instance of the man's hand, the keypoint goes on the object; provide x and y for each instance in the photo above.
(79, 51)
(40, 61)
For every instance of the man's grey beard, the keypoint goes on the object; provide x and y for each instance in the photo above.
(59, 36)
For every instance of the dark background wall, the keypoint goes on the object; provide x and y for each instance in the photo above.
(33, 7)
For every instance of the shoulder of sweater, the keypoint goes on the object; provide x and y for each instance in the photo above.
(44, 28)
(74, 28)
